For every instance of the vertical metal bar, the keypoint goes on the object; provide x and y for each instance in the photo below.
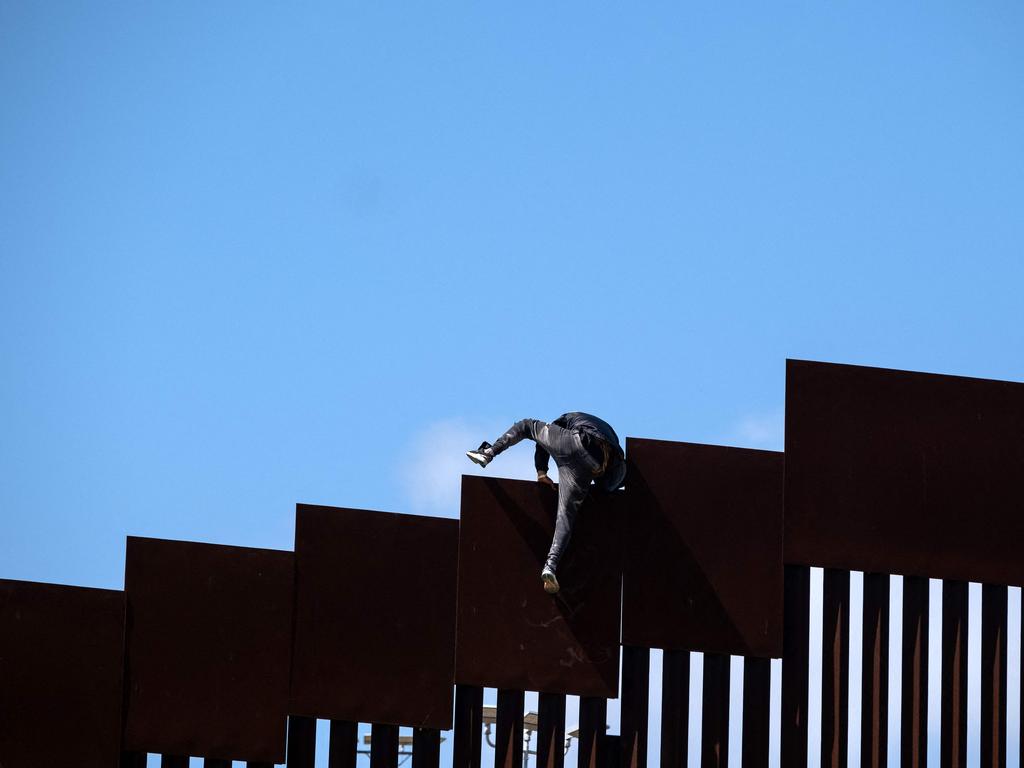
(383, 746)
(835, 668)
(914, 708)
(469, 708)
(343, 744)
(675, 708)
(593, 719)
(133, 760)
(550, 730)
(173, 761)
(301, 741)
(636, 671)
(757, 685)
(714, 750)
(508, 739)
(426, 748)
(874, 679)
(953, 751)
(795, 641)
(251, 764)
(993, 676)
(216, 762)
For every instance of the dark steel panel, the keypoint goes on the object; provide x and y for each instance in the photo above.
(511, 634)
(953, 717)
(835, 668)
(174, 761)
(384, 746)
(928, 464)
(551, 730)
(914, 694)
(593, 724)
(714, 745)
(301, 742)
(675, 708)
(757, 684)
(216, 762)
(796, 638)
(874, 709)
(468, 737)
(636, 672)
(508, 738)
(374, 616)
(993, 676)
(426, 748)
(704, 567)
(343, 745)
(61, 652)
(208, 645)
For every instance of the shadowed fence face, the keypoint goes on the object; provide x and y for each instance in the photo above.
(61, 650)
(208, 647)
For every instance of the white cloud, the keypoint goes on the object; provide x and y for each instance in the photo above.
(761, 430)
(435, 460)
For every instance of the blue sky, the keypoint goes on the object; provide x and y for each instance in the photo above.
(252, 255)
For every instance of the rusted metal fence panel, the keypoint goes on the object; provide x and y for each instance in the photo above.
(593, 720)
(508, 739)
(874, 717)
(513, 635)
(208, 643)
(757, 679)
(914, 694)
(383, 746)
(389, 660)
(344, 743)
(953, 736)
(795, 666)
(61, 650)
(636, 670)
(993, 675)
(705, 521)
(551, 730)
(714, 745)
(835, 668)
(675, 708)
(468, 736)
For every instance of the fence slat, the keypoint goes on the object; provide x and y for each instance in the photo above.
(714, 749)
(874, 680)
(508, 739)
(914, 709)
(953, 750)
(551, 730)
(636, 671)
(173, 761)
(343, 744)
(675, 708)
(383, 746)
(216, 762)
(426, 748)
(301, 742)
(593, 718)
(757, 684)
(993, 676)
(796, 637)
(835, 668)
(468, 737)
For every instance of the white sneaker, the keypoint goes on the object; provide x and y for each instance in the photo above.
(481, 455)
(550, 581)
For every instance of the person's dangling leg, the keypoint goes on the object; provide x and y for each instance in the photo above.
(573, 485)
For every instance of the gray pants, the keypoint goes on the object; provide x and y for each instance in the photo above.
(575, 471)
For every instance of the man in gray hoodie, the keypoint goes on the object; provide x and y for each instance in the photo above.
(585, 448)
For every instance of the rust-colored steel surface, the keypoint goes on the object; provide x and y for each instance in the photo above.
(953, 709)
(636, 673)
(174, 761)
(704, 566)
(61, 652)
(835, 668)
(551, 730)
(914, 694)
(714, 744)
(993, 675)
(874, 708)
(383, 746)
(208, 642)
(796, 639)
(593, 723)
(675, 708)
(511, 634)
(468, 737)
(343, 745)
(374, 616)
(929, 464)
(508, 737)
(301, 741)
(757, 682)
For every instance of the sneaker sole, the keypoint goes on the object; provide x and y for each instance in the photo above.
(550, 584)
(477, 458)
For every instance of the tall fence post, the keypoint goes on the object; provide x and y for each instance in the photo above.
(469, 707)
(757, 684)
(636, 670)
(914, 696)
(796, 636)
(675, 708)
(508, 740)
(714, 750)
(550, 730)
(593, 720)
(953, 750)
(993, 675)
(874, 713)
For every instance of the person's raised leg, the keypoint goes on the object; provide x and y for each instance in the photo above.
(534, 429)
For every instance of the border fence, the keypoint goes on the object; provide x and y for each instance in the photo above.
(234, 653)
